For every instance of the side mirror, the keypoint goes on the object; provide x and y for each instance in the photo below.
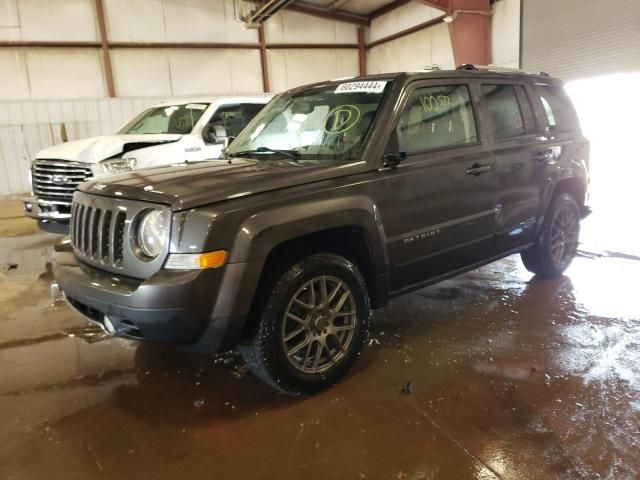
(392, 160)
(215, 134)
(394, 156)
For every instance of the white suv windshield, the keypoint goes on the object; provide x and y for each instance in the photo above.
(169, 119)
(319, 123)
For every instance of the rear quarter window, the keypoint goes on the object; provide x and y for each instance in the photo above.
(558, 109)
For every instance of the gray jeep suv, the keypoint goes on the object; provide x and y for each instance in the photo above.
(337, 197)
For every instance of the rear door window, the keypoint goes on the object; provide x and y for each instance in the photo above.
(437, 117)
(558, 109)
(505, 111)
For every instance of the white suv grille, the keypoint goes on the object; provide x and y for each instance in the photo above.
(56, 180)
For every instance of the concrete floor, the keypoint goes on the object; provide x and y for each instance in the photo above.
(511, 378)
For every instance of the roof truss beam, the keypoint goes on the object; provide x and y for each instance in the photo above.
(328, 13)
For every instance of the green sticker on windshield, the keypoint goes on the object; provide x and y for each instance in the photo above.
(342, 118)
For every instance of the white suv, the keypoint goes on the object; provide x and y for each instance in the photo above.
(177, 131)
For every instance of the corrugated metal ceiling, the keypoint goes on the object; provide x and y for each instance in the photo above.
(362, 7)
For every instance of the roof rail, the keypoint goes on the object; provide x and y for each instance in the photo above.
(492, 68)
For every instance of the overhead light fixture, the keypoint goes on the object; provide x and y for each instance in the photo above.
(454, 15)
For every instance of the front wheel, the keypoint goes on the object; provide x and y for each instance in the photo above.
(558, 241)
(313, 326)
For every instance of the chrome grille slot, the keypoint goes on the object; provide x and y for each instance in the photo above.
(95, 232)
(118, 238)
(56, 180)
(84, 241)
(105, 236)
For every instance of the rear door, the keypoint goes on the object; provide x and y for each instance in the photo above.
(519, 151)
(439, 204)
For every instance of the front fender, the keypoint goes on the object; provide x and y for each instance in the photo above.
(263, 231)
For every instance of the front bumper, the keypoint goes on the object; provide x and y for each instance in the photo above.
(51, 211)
(202, 310)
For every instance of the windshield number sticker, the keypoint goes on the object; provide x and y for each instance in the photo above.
(361, 87)
(196, 106)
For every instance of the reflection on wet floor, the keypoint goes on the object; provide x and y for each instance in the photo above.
(510, 377)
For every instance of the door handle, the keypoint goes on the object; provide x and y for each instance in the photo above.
(477, 169)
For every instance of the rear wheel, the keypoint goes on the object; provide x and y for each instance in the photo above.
(313, 326)
(558, 241)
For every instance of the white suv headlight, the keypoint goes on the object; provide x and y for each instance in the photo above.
(152, 233)
(117, 165)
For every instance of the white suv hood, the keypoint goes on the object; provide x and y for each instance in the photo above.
(95, 149)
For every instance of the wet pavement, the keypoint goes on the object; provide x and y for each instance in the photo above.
(510, 377)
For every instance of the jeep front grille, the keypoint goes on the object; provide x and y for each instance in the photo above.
(103, 234)
(97, 234)
(56, 180)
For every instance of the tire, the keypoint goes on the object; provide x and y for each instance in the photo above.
(297, 303)
(557, 243)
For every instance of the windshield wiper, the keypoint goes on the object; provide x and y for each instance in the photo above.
(263, 150)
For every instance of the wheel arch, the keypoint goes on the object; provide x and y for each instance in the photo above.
(574, 186)
(347, 227)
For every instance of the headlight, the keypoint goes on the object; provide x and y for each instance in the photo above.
(117, 165)
(152, 234)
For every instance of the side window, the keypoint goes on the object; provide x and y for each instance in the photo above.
(235, 117)
(437, 117)
(525, 108)
(504, 109)
(560, 114)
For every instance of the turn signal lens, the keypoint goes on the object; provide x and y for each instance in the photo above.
(196, 261)
(212, 259)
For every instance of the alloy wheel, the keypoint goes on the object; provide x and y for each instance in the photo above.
(319, 324)
(565, 231)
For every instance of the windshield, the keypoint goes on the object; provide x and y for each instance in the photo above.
(169, 119)
(321, 123)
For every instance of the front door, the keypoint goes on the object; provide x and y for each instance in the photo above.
(439, 207)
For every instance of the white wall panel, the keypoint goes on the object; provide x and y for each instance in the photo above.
(441, 48)
(14, 80)
(217, 71)
(400, 19)
(505, 34)
(186, 71)
(293, 27)
(205, 21)
(135, 20)
(9, 20)
(29, 126)
(64, 72)
(431, 46)
(175, 21)
(293, 67)
(141, 72)
(59, 20)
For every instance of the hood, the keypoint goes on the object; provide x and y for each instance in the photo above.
(96, 149)
(197, 184)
